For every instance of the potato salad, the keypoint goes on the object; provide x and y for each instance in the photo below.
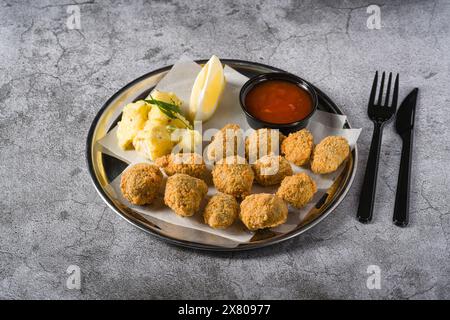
(154, 126)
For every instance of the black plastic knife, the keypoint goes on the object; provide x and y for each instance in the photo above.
(404, 124)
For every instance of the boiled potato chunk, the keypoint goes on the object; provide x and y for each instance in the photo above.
(168, 97)
(189, 141)
(154, 141)
(134, 117)
(177, 123)
(157, 116)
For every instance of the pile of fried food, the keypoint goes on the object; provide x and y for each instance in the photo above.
(233, 177)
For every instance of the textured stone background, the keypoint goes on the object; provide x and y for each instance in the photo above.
(54, 80)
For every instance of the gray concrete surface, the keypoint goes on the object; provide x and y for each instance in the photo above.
(54, 80)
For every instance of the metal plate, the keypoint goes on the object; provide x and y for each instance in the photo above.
(104, 168)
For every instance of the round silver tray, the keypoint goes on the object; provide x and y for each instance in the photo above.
(104, 168)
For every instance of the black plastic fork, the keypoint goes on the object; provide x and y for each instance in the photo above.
(380, 114)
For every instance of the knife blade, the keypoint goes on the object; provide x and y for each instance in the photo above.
(404, 121)
(404, 125)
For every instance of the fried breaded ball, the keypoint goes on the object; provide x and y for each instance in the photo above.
(221, 211)
(263, 210)
(259, 143)
(298, 146)
(233, 176)
(188, 163)
(297, 190)
(225, 143)
(140, 183)
(184, 194)
(271, 169)
(329, 154)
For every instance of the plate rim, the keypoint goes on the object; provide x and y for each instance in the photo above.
(196, 245)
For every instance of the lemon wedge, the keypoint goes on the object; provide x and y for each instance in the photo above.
(207, 90)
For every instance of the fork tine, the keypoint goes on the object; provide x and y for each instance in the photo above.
(386, 100)
(380, 94)
(395, 95)
(374, 90)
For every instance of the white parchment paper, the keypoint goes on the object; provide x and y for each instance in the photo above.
(180, 80)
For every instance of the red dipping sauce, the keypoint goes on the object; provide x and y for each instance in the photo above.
(278, 101)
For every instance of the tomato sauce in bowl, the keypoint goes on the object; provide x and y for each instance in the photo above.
(278, 101)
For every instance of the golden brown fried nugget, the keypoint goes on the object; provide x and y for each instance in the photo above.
(140, 183)
(233, 176)
(259, 143)
(221, 211)
(184, 194)
(263, 210)
(271, 169)
(298, 146)
(297, 190)
(225, 143)
(188, 163)
(329, 154)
